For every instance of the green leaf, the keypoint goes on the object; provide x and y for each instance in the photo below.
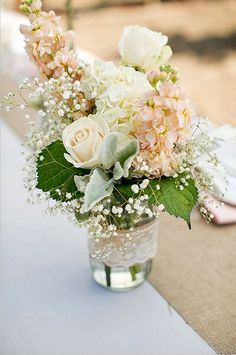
(56, 173)
(82, 216)
(99, 186)
(177, 202)
(118, 171)
(117, 147)
(108, 151)
(126, 155)
(81, 182)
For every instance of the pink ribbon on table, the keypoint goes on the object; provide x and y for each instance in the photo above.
(223, 213)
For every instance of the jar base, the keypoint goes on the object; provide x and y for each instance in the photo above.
(120, 278)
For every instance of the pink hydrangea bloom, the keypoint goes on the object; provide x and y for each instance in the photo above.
(149, 162)
(162, 119)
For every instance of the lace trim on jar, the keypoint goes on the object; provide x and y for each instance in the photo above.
(127, 247)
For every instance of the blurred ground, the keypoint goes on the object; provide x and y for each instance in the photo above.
(202, 35)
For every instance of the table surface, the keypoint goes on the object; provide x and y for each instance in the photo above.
(49, 302)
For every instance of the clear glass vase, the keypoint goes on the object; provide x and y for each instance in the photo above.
(124, 261)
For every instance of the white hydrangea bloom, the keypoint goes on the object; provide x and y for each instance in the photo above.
(114, 89)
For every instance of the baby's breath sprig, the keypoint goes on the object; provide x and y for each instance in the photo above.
(18, 99)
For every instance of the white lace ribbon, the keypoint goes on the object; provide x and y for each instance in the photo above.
(127, 248)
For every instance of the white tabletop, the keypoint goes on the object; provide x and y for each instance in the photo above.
(49, 303)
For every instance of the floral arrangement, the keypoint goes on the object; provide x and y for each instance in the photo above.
(113, 142)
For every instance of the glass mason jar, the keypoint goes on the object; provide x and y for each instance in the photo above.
(124, 260)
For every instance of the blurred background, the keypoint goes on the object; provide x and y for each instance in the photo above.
(202, 35)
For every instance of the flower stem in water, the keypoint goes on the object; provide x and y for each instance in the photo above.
(134, 269)
(108, 275)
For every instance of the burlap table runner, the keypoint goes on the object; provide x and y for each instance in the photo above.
(195, 271)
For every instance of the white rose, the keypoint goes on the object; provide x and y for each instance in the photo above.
(143, 48)
(83, 141)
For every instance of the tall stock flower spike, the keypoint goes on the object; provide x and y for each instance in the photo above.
(46, 44)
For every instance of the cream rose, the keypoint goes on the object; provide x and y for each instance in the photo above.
(83, 141)
(140, 47)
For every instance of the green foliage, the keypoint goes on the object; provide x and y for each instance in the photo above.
(118, 148)
(56, 173)
(81, 217)
(99, 186)
(177, 202)
(118, 171)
